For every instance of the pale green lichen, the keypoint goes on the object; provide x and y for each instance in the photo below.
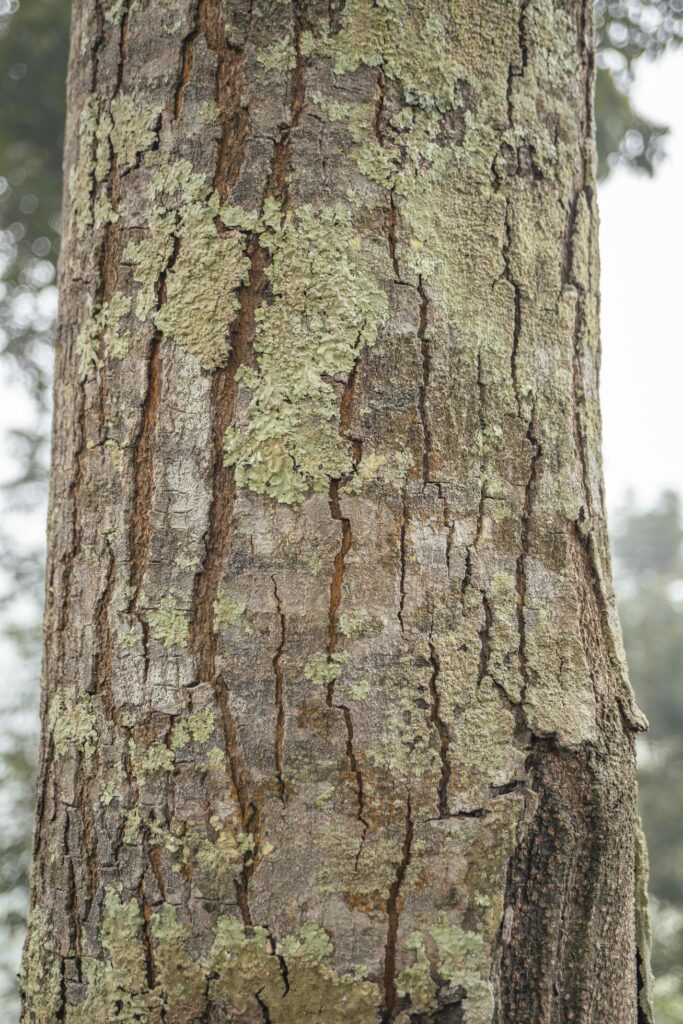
(247, 964)
(197, 727)
(227, 611)
(39, 978)
(132, 828)
(201, 299)
(179, 979)
(281, 56)
(168, 624)
(129, 639)
(216, 760)
(326, 307)
(323, 669)
(244, 971)
(81, 178)
(115, 454)
(411, 44)
(156, 758)
(188, 560)
(360, 690)
(416, 981)
(88, 339)
(72, 722)
(209, 112)
(116, 987)
(390, 468)
(463, 962)
(355, 624)
(101, 323)
(209, 267)
(112, 785)
(406, 750)
(228, 849)
(132, 131)
(113, 11)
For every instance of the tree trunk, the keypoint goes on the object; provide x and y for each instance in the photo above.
(336, 720)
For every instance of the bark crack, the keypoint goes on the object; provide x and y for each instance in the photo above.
(279, 697)
(520, 576)
(186, 63)
(403, 566)
(393, 912)
(439, 724)
(424, 386)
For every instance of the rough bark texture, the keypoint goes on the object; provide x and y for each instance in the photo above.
(336, 720)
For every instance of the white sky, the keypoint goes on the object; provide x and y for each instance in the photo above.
(641, 238)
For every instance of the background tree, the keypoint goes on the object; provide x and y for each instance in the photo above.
(649, 576)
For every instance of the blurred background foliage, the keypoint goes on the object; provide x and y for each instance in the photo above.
(647, 542)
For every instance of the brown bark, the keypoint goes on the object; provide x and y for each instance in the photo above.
(336, 719)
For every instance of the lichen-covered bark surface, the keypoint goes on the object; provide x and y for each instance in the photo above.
(336, 726)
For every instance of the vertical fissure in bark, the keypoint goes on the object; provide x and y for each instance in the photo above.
(143, 473)
(279, 696)
(123, 45)
(358, 777)
(424, 385)
(336, 589)
(337, 581)
(439, 724)
(390, 214)
(216, 545)
(233, 116)
(525, 536)
(485, 639)
(449, 526)
(186, 62)
(147, 941)
(281, 163)
(403, 562)
(517, 292)
(393, 913)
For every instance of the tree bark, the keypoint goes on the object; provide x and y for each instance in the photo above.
(337, 725)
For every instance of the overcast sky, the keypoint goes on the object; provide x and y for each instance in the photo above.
(641, 238)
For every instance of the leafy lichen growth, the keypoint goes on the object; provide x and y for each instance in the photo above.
(355, 624)
(81, 177)
(408, 40)
(326, 307)
(72, 721)
(197, 727)
(116, 987)
(168, 624)
(228, 849)
(323, 670)
(101, 322)
(39, 978)
(281, 56)
(415, 981)
(227, 611)
(132, 130)
(180, 979)
(209, 267)
(156, 758)
(463, 962)
(247, 964)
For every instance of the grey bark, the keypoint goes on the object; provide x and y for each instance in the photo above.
(336, 721)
